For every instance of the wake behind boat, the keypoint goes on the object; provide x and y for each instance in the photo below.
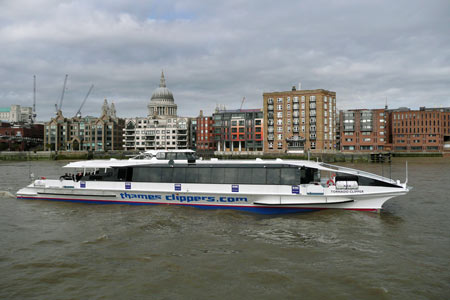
(177, 177)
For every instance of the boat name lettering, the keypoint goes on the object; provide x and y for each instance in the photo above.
(140, 196)
(348, 191)
(174, 197)
(179, 198)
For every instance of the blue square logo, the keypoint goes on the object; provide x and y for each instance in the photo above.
(177, 186)
(128, 185)
(295, 189)
(82, 184)
(235, 188)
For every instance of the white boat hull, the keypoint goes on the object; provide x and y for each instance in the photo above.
(261, 199)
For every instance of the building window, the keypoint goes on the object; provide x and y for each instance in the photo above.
(280, 100)
(280, 106)
(280, 114)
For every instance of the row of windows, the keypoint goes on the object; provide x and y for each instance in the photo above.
(214, 175)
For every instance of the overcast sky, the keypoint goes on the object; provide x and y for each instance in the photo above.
(217, 52)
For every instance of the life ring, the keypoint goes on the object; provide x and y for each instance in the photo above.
(330, 182)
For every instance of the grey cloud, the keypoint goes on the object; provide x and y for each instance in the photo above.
(220, 52)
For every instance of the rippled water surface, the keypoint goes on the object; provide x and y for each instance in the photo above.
(56, 250)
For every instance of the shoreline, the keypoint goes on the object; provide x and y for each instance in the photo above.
(325, 157)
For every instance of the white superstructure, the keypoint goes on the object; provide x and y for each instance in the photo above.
(177, 178)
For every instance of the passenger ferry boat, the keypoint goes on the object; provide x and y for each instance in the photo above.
(179, 178)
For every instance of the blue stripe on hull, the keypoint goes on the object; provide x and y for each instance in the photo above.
(266, 210)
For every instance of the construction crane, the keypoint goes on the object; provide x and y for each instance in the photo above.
(242, 103)
(78, 114)
(62, 95)
(33, 116)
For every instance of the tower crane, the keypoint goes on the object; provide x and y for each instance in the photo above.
(78, 114)
(242, 103)
(62, 95)
(33, 116)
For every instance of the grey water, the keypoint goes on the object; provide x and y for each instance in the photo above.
(58, 250)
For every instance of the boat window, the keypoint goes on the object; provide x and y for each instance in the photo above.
(179, 175)
(288, 176)
(218, 175)
(129, 176)
(259, 175)
(167, 174)
(204, 175)
(161, 155)
(273, 175)
(121, 175)
(245, 176)
(171, 156)
(192, 174)
(231, 175)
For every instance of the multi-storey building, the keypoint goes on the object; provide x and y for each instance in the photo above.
(85, 133)
(425, 130)
(205, 133)
(299, 120)
(192, 140)
(162, 128)
(238, 130)
(364, 130)
(16, 114)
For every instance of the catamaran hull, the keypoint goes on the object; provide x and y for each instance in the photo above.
(259, 203)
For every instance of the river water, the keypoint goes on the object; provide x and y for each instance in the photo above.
(56, 250)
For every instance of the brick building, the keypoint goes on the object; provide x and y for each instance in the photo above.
(238, 130)
(23, 137)
(299, 120)
(423, 130)
(364, 130)
(205, 133)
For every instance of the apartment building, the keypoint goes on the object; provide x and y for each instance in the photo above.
(205, 133)
(238, 130)
(85, 133)
(423, 130)
(299, 120)
(364, 130)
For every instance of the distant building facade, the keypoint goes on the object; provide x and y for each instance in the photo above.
(364, 130)
(23, 137)
(423, 130)
(299, 120)
(162, 128)
(85, 133)
(205, 133)
(16, 114)
(238, 130)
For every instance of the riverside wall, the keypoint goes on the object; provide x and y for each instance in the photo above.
(85, 155)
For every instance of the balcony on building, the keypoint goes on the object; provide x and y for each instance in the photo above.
(270, 122)
(296, 144)
(296, 106)
(270, 115)
(270, 129)
(270, 107)
(270, 137)
(270, 101)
